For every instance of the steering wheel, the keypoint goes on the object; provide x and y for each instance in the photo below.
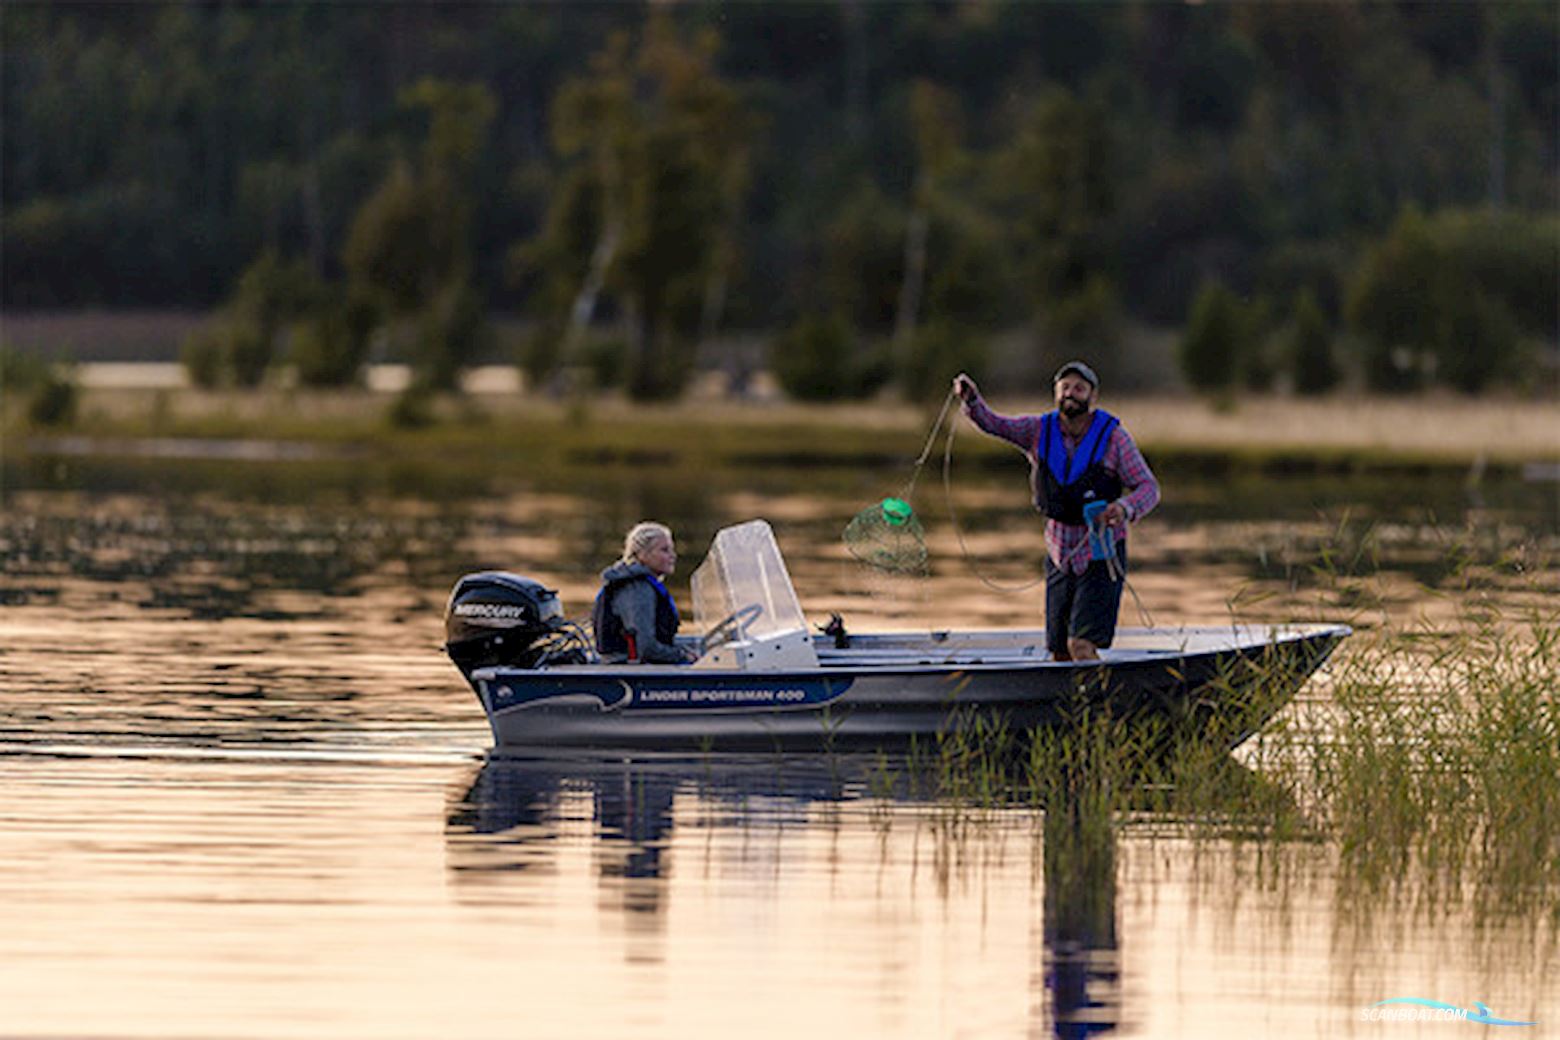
(732, 626)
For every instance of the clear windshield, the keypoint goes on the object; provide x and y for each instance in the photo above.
(743, 570)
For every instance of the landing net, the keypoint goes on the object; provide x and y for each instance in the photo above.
(887, 534)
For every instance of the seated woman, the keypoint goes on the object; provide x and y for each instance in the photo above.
(635, 618)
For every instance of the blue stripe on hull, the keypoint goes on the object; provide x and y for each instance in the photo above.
(690, 693)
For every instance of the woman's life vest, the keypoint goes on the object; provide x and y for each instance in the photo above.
(1065, 485)
(612, 638)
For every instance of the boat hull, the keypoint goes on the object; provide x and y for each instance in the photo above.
(889, 691)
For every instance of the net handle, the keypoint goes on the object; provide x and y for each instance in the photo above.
(931, 439)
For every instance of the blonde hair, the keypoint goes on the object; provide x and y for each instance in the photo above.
(641, 536)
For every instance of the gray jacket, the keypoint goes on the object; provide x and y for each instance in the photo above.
(634, 603)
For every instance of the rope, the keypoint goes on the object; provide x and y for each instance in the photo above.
(953, 515)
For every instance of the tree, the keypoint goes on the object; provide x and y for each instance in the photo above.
(936, 125)
(654, 145)
(858, 272)
(1312, 364)
(1210, 347)
(812, 360)
(1059, 180)
(330, 345)
(1448, 298)
(240, 344)
(399, 246)
(410, 244)
(940, 350)
(1392, 302)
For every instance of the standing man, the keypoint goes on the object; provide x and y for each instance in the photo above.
(1077, 454)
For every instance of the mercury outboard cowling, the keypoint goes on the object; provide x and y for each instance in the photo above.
(498, 618)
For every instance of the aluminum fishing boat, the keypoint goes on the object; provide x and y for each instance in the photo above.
(765, 679)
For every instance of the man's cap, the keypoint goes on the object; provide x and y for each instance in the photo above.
(1079, 368)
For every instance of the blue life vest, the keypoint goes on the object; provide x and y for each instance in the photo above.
(612, 638)
(1065, 485)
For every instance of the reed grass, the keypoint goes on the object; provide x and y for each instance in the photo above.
(1431, 769)
(1441, 764)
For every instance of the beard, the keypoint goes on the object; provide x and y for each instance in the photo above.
(1070, 407)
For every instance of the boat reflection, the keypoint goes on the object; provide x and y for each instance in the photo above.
(515, 813)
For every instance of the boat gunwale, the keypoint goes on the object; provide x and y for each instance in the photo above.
(835, 661)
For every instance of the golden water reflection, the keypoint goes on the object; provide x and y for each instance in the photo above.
(242, 794)
(226, 896)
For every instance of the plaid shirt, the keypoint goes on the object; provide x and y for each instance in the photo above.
(1068, 544)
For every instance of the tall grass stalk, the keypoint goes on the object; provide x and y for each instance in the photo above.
(1440, 766)
(1430, 765)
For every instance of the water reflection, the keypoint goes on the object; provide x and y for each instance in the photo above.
(513, 815)
(159, 545)
(1084, 973)
(229, 739)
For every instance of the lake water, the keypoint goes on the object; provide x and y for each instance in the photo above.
(242, 794)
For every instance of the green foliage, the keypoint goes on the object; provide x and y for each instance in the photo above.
(1512, 257)
(1438, 299)
(1317, 268)
(606, 359)
(248, 352)
(540, 351)
(410, 244)
(330, 346)
(1210, 349)
(815, 359)
(239, 345)
(862, 248)
(967, 277)
(1473, 752)
(458, 118)
(1313, 365)
(656, 147)
(412, 408)
(401, 244)
(1059, 179)
(1478, 342)
(53, 401)
(551, 267)
(271, 294)
(204, 356)
(451, 333)
(412, 239)
(19, 371)
(940, 351)
(1393, 302)
(1261, 352)
(660, 361)
(49, 389)
(695, 182)
(1086, 321)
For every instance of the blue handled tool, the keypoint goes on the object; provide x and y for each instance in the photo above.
(1101, 542)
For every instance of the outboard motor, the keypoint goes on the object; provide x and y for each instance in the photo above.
(499, 618)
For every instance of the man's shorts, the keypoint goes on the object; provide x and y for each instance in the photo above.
(1083, 606)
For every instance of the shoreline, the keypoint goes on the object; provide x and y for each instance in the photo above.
(1342, 433)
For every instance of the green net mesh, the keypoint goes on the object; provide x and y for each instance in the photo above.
(887, 535)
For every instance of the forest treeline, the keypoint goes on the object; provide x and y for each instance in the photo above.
(1307, 192)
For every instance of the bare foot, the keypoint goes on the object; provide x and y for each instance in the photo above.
(1082, 650)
